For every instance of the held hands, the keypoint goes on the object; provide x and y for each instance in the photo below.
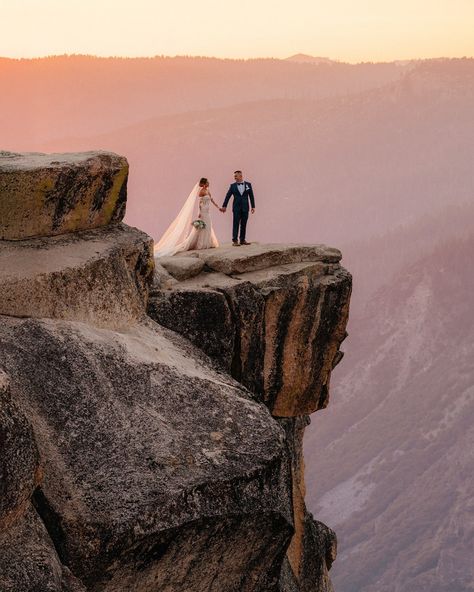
(224, 209)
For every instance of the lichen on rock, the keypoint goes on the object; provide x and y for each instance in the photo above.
(49, 194)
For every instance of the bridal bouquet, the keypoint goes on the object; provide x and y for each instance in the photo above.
(199, 224)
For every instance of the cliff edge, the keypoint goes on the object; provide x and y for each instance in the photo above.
(273, 317)
(152, 415)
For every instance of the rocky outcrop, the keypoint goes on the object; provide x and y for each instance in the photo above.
(49, 194)
(147, 451)
(99, 276)
(131, 458)
(272, 316)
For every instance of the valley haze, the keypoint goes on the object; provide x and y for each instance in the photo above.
(373, 158)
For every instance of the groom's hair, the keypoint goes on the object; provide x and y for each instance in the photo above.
(235, 172)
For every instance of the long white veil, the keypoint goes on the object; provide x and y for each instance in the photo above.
(174, 239)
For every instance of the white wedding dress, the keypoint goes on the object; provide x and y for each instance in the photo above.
(181, 235)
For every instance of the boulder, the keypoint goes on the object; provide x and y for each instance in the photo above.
(49, 194)
(159, 471)
(98, 276)
(182, 268)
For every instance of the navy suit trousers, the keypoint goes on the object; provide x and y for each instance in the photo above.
(240, 218)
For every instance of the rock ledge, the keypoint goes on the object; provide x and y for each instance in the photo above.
(273, 316)
(49, 194)
(230, 260)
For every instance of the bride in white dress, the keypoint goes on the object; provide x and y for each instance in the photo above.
(181, 235)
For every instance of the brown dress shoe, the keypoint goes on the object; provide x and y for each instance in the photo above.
(244, 242)
(235, 244)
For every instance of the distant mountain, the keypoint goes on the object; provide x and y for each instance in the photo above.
(374, 261)
(302, 58)
(390, 463)
(50, 98)
(373, 158)
(337, 170)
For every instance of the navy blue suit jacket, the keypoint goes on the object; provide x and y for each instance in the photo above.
(241, 202)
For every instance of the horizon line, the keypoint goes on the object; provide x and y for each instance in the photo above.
(233, 59)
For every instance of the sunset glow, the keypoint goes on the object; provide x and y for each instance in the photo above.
(347, 30)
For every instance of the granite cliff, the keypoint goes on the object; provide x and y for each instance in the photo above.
(152, 415)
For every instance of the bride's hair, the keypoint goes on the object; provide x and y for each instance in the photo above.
(203, 182)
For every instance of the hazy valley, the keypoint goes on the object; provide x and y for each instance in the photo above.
(375, 159)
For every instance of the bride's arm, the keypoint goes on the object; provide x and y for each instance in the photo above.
(209, 193)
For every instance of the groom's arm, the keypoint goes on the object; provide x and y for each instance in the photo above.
(227, 197)
(252, 198)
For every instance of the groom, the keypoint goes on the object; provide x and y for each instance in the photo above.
(241, 191)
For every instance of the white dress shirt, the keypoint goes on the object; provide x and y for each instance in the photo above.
(241, 187)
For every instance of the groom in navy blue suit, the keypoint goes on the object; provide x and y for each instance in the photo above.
(241, 191)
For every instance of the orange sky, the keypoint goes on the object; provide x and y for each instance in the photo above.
(349, 30)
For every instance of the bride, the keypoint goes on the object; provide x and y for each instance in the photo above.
(182, 234)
